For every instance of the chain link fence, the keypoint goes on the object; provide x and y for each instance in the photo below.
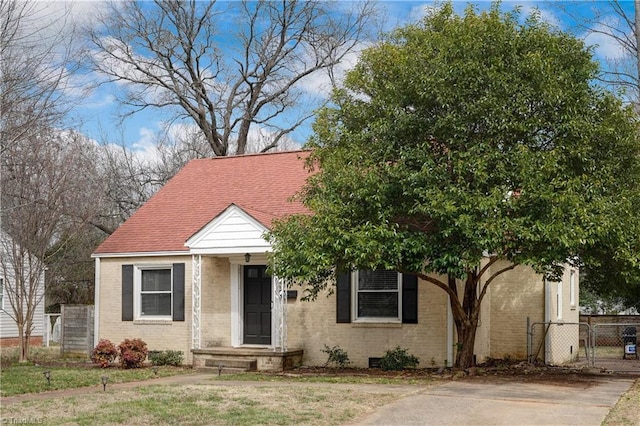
(558, 343)
(612, 347)
(615, 347)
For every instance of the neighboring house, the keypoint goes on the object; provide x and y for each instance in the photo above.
(188, 272)
(8, 328)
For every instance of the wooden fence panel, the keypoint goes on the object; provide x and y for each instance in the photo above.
(76, 332)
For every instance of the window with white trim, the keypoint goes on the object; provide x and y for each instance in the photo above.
(572, 289)
(1, 294)
(154, 292)
(559, 301)
(377, 295)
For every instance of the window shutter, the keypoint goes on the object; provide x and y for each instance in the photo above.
(343, 298)
(178, 291)
(127, 292)
(409, 299)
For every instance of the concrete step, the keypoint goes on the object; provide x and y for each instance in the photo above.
(225, 370)
(240, 364)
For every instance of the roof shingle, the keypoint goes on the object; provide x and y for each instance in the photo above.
(260, 184)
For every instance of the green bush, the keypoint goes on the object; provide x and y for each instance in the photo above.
(166, 358)
(398, 359)
(104, 353)
(132, 353)
(337, 356)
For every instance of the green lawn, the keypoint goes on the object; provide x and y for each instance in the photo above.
(20, 379)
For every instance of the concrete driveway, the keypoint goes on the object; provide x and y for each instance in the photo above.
(472, 402)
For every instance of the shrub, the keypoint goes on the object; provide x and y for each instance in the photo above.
(104, 353)
(132, 353)
(398, 359)
(166, 357)
(337, 356)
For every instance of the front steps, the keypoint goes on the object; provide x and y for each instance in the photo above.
(250, 359)
(231, 364)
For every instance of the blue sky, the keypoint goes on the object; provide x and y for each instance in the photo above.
(96, 113)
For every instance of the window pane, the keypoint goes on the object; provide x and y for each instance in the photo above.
(156, 280)
(378, 304)
(156, 304)
(377, 280)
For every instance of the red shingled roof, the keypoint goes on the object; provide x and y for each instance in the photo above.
(260, 184)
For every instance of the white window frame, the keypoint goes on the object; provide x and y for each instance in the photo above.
(559, 301)
(1, 293)
(137, 292)
(572, 288)
(354, 297)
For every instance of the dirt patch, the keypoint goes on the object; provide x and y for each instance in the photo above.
(492, 370)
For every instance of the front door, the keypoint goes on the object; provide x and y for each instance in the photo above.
(257, 305)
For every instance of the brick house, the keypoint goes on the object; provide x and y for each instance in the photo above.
(188, 272)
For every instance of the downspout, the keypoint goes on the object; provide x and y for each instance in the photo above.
(449, 359)
(96, 304)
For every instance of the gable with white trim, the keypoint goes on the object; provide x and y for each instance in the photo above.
(232, 231)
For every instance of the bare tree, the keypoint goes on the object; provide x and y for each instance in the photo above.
(44, 171)
(45, 202)
(130, 176)
(612, 21)
(34, 69)
(227, 66)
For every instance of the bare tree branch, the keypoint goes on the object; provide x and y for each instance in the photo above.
(170, 55)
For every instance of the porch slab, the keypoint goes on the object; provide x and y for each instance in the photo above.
(266, 359)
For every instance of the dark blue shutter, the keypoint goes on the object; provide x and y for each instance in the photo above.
(127, 292)
(409, 299)
(178, 291)
(343, 298)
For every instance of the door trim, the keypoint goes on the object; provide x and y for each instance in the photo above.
(237, 303)
(260, 297)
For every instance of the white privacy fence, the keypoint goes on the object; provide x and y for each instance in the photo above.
(52, 325)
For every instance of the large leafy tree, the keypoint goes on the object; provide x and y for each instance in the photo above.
(608, 278)
(459, 148)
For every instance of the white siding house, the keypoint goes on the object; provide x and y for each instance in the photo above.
(8, 327)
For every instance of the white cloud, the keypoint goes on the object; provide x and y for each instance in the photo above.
(605, 46)
(319, 83)
(545, 15)
(418, 12)
(146, 148)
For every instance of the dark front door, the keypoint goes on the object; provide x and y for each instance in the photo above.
(257, 305)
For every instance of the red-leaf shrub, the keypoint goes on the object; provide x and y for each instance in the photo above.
(104, 353)
(132, 353)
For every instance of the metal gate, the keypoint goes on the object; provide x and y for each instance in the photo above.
(615, 347)
(611, 347)
(559, 343)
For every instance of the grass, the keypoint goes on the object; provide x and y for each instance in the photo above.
(345, 379)
(609, 352)
(9, 356)
(204, 404)
(21, 379)
(279, 399)
(65, 373)
(627, 411)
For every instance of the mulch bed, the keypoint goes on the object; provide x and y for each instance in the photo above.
(492, 370)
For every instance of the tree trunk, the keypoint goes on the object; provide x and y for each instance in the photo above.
(465, 345)
(465, 317)
(23, 346)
